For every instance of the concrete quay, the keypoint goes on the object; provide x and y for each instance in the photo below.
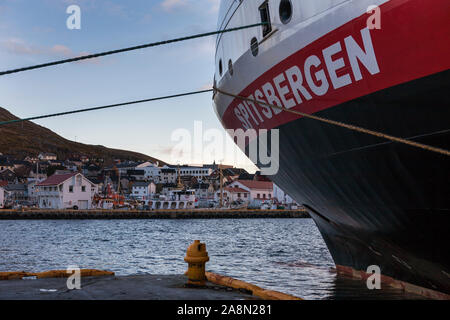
(136, 287)
(153, 214)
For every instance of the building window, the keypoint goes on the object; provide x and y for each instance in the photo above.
(265, 18)
(239, 195)
(264, 196)
(245, 195)
(71, 189)
(220, 67)
(83, 189)
(285, 11)
(258, 196)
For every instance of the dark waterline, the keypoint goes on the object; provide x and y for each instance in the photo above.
(288, 255)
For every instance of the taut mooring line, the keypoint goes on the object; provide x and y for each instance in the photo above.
(342, 125)
(143, 46)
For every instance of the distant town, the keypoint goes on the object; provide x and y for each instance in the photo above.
(81, 183)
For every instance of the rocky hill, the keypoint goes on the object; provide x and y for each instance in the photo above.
(28, 138)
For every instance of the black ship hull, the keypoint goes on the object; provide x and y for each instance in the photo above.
(378, 202)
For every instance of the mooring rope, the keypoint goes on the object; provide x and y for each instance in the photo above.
(342, 125)
(104, 107)
(143, 46)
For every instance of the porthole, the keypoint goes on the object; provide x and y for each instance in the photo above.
(230, 66)
(220, 67)
(285, 11)
(254, 46)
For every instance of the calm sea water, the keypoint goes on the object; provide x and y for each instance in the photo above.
(288, 255)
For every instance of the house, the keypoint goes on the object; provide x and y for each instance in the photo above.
(137, 175)
(2, 197)
(17, 191)
(4, 165)
(31, 190)
(231, 194)
(259, 190)
(151, 171)
(143, 190)
(46, 156)
(66, 191)
(8, 175)
(31, 159)
(203, 191)
(168, 175)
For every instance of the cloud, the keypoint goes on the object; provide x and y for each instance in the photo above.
(206, 86)
(215, 5)
(209, 6)
(169, 5)
(63, 50)
(20, 47)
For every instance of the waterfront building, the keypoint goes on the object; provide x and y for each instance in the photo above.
(143, 190)
(66, 191)
(235, 193)
(259, 190)
(203, 191)
(16, 191)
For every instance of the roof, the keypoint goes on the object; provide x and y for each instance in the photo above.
(3, 183)
(261, 185)
(141, 184)
(57, 179)
(16, 187)
(236, 189)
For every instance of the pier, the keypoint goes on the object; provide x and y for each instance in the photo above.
(150, 214)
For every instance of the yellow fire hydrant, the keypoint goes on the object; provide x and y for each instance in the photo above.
(196, 257)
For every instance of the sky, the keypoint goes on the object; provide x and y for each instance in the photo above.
(34, 32)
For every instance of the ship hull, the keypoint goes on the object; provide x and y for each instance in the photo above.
(375, 202)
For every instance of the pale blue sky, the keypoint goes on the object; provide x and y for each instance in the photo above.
(33, 32)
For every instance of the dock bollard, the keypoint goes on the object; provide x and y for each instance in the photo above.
(196, 257)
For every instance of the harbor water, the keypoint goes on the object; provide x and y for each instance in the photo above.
(287, 255)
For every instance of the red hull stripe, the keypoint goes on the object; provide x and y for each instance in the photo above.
(413, 42)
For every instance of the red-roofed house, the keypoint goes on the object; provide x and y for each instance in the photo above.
(66, 191)
(231, 194)
(259, 190)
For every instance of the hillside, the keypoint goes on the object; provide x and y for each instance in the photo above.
(28, 138)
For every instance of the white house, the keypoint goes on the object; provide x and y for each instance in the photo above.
(259, 190)
(231, 194)
(66, 191)
(2, 197)
(143, 190)
(168, 175)
(151, 171)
